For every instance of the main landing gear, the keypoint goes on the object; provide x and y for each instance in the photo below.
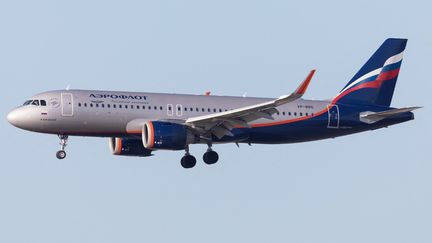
(189, 161)
(210, 157)
(61, 154)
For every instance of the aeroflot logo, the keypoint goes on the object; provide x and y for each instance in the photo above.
(123, 97)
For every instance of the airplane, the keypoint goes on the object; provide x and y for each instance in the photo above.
(139, 124)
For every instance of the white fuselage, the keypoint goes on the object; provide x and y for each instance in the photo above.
(117, 113)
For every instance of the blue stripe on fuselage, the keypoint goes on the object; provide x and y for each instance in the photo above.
(314, 128)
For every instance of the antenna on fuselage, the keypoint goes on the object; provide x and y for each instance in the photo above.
(68, 87)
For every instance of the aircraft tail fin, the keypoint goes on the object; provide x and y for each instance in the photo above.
(374, 83)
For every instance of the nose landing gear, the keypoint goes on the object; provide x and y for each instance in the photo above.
(61, 154)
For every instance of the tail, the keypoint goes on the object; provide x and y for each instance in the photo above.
(374, 83)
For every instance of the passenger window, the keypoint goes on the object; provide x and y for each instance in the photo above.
(301, 114)
(197, 109)
(169, 108)
(132, 106)
(103, 106)
(295, 113)
(307, 114)
(108, 105)
(120, 106)
(289, 113)
(155, 107)
(208, 109)
(97, 105)
(149, 107)
(185, 108)
(277, 113)
(283, 113)
(126, 106)
(214, 109)
(85, 104)
(43, 103)
(35, 102)
(91, 104)
(143, 107)
(202, 109)
(160, 108)
(220, 110)
(191, 109)
(114, 106)
(138, 107)
(79, 104)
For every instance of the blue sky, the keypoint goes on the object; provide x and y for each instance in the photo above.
(369, 187)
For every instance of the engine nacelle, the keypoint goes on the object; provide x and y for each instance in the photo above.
(128, 147)
(166, 135)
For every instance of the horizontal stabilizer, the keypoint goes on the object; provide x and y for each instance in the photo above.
(372, 117)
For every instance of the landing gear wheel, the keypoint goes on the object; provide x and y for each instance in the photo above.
(210, 157)
(188, 161)
(61, 154)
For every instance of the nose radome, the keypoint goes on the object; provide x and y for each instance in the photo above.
(17, 118)
(22, 118)
(12, 117)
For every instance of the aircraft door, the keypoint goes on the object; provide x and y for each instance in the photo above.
(67, 104)
(179, 110)
(333, 116)
(170, 109)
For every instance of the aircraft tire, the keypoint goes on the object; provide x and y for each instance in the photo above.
(61, 154)
(188, 161)
(210, 157)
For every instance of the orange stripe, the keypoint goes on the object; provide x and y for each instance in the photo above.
(150, 124)
(135, 132)
(119, 145)
(265, 124)
(289, 121)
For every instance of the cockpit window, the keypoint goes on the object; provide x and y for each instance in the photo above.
(35, 102)
(27, 102)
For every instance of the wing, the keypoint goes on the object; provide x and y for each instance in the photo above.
(221, 124)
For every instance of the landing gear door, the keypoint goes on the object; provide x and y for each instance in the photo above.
(333, 116)
(67, 104)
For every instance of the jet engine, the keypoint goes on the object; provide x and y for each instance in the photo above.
(128, 147)
(166, 135)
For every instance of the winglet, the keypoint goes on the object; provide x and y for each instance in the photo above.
(298, 93)
(304, 85)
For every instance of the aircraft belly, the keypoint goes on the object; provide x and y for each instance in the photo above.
(301, 131)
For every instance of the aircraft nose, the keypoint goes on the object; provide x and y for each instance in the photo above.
(24, 118)
(12, 117)
(15, 117)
